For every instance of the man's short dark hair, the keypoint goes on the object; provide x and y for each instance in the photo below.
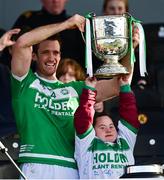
(53, 38)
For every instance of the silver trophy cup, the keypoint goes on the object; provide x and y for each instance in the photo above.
(110, 43)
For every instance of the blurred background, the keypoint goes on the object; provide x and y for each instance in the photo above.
(149, 91)
(149, 11)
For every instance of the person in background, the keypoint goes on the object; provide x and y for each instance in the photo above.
(119, 7)
(5, 39)
(69, 70)
(54, 11)
(115, 7)
(102, 150)
(7, 121)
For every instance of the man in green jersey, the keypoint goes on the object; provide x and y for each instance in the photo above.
(44, 107)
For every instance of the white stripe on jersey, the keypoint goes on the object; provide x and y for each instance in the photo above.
(60, 93)
(46, 156)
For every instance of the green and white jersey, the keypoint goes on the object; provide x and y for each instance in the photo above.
(44, 114)
(104, 160)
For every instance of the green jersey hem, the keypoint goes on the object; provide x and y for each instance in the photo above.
(48, 161)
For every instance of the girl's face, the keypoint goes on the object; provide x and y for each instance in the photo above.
(105, 129)
(68, 76)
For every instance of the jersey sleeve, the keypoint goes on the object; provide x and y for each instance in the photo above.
(78, 85)
(127, 133)
(82, 146)
(127, 107)
(18, 84)
(83, 117)
(129, 124)
(85, 132)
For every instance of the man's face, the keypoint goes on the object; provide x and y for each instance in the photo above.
(47, 58)
(115, 7)
(105, 129)
(54, 7)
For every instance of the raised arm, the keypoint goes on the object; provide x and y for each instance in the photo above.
(128, 108)
(83, 117)
(5, 40)
(22, 50)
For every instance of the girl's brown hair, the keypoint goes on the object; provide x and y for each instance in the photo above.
(68, 62)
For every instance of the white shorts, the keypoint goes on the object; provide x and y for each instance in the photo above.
(46, 171)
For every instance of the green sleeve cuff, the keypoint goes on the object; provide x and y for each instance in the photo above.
(125, 88)
(89, 87)
(81, 136)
